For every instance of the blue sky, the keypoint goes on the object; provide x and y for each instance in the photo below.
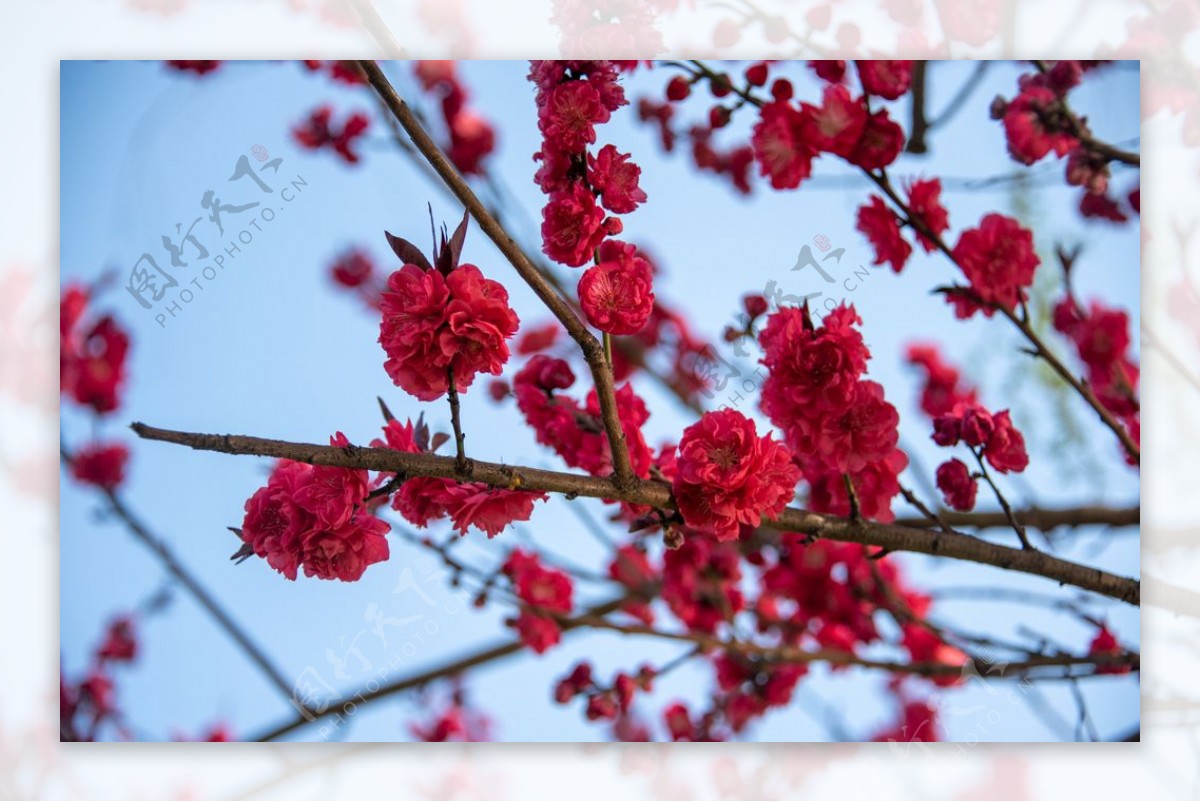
(268, 348)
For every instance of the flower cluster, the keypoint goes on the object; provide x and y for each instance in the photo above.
(1101, 338)
(318, 131)
(437, 322)
(788, 136)
(92, 355)
(199, 67)
(471, 137)
(1105, 644)
(700, 581)
(749, 688)
(998, 260)
(543, 591)
(343, 72)
(314, 517)
(422, 499)
(882, 227)
(573, 97)
(726, 476)
(456, 722)
(990, 437)
(838, 424)
(572, 429)
(604, 703)
(86, 705)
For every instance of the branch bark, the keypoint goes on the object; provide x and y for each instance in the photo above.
(658, 494)
(592, 348)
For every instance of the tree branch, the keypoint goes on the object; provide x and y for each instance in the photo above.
(658, 494)
(1038, 518)
(593, 350)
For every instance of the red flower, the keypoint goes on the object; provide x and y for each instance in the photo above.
(1005, 449)
(957, 485)
(313, 517)
(924, 200)
(572, 226)
(999, 261)
(616, 294)
(837, 124)
(100, 464)
(810, 367)
(568, 116)
(781, 146)
(432, 324)
(615, 177)
(345, 552)
(882, 228)
(120, 642)
(829, 69)
(489, 509)
(1034, 125)
(317, 132)
(880, 143)
(726, 475)
(863, 433)
(887, 79)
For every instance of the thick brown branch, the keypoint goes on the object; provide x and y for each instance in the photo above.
(593, 350)
(1035, 518)
(658, 495)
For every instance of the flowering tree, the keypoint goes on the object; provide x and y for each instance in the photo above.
(766, 547)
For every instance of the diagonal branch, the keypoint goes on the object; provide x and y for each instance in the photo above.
(592, 348)
(658, 494)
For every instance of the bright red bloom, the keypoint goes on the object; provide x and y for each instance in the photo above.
(886, 79)
(120, 642)
(810, 367)
(572, 226)
(918, 724)
(1034, 125)
(1102, 339)
(318, 131)
(957, 485)
(432, 324)
(781, 145)
(538, 338)
(569, 115)
(615, 177)
(924, 199)
(999, 261)
(538, 632)
(1005, 450)
(726, 475)
(313, 517)
(874, 488)
(863, 433)
(838, 123)
(100, 464)
(616, 294)
(881, 142)
(882, 227)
